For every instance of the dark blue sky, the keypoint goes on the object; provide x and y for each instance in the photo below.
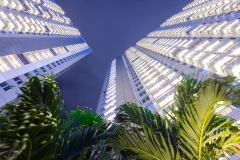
(109, 27)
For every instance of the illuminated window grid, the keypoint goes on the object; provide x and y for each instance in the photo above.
(3, 65)
(49, 53)
(31, 57)
(44, 54)
(14, 62)
(39, 57)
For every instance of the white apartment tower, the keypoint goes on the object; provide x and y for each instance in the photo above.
(204, 38)
(36, 38)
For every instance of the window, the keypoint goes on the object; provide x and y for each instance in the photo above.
(202, 71)
(56, 50)
(13, 61)
(44, 54)
(58, 63)
(193, 67)
(141, 94)
(150, 107)
(27, 75)
(18, 80)
(54, 64)
(49, 67)
(145, 100)
(53, 51)
(61, 61)
(23, 58)
(175, 70)
(140, 88)
(183, 74)
(38, 56)
(64, 59)
(43, 69)
(35, 72)
(3, 65)
(31, 57)
(49, 52)
(5, 86)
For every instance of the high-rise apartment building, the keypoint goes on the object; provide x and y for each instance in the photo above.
(36, 38)
(202, 39)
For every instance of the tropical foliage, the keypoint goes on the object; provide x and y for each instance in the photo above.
(41, 127)
(193, 129)
(80, 129)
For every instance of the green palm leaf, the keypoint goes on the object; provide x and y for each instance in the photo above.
(31, 129)
(144, 142)
(201, 129)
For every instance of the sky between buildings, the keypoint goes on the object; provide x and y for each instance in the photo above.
(109, 27)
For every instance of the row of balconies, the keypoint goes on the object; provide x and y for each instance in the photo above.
(161, 78)
(223, 28)
(36, 10)
(216, 55)
(204, 10)
(11, 81)
(17, 23)
(53, 6)
(168, 73)
(76, 46)
(14, 61)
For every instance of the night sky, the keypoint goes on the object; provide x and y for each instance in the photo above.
(109, 27)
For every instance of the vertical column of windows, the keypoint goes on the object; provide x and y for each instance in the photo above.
(109, 98)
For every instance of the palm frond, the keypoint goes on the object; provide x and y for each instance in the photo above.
(144, 142)
(200, 125)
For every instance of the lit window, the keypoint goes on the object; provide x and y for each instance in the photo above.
(5, 86)
(31, 57)
(13, 61)
(3, 65)
(38, 56)
(226, 46)
(18, 80)
(49, 53)
(44, 54)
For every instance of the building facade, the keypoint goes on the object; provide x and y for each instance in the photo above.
(202, 39)
(36, 38)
